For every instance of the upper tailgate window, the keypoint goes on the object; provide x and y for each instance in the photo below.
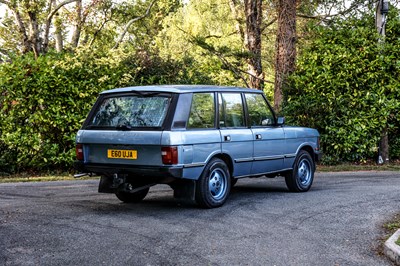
(131, 111)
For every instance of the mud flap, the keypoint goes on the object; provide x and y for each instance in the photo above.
(184, 190)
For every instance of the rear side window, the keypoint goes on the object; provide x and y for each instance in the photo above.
(202, 111)
(131, 111)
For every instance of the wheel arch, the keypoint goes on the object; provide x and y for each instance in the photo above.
(310, 150)
(227, 159)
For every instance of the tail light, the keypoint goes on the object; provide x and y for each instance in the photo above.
(318, 144)
(169, 155)
(79, 152)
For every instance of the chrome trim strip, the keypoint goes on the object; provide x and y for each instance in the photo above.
(267, 158)
(261, 174)
(244, 160)
(194, 165)
(290, 155)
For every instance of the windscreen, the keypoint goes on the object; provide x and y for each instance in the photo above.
(131, 111)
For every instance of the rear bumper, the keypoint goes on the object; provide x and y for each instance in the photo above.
(138, 171)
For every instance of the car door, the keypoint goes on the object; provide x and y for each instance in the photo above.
(269, 139)
(236, 138)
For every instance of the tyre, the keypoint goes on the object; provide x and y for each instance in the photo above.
(233, 181)
(214, 184)
(301, 177)
(134, 197)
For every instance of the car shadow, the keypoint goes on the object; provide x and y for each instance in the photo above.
(162, 199)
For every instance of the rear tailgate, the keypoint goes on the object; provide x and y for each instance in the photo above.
(141, 148)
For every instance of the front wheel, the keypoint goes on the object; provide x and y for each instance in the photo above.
(214, 184)
(301, 177)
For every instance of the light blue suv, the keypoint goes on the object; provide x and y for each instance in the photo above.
(198, 139)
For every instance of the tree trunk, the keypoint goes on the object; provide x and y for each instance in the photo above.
(58, 35)
(384, 147)
(253, 13)
(238, 25)
(285, 58)
(78, 25)
(34, 34)
(26, 45)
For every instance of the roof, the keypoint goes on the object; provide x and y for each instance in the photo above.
(180, 89)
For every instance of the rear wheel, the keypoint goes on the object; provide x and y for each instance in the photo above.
(301, 177)
(214, 184)
(131, 197)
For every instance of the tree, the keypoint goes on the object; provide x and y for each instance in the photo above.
(251, 37)
(44, 24)
(203, 32)
(27, 16)
(285, 47)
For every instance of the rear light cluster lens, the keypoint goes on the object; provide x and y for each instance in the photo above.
(169, 155)
(79, 152)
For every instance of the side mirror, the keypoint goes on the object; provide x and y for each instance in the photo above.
(281, 121)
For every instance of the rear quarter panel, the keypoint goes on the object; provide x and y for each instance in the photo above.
(296, 139)
(195, 148)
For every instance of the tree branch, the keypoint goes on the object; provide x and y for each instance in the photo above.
(326, 17)
(49, 19)
(268, 24)
(60, 5)
(122, 35)
(6, 3)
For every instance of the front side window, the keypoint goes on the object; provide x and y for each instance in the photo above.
(131, 111)
(202, 112)
(260, 114)
(231, 110)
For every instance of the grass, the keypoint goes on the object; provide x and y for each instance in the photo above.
(347, 167)
(57, 176)
(27, 177)
(392, 226)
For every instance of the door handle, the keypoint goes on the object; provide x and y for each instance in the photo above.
(227, 138)
(258, 136)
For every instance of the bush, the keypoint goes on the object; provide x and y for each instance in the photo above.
(43, 102)
(347, 86)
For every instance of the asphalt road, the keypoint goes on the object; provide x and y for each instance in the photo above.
(338, 222)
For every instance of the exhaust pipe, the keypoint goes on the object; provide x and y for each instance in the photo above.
(82, 175)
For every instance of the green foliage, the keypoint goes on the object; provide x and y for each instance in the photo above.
(203, 31)
(347, 86)
(147, 68)
(43, 102)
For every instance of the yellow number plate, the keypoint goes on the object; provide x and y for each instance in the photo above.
(122, 154)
